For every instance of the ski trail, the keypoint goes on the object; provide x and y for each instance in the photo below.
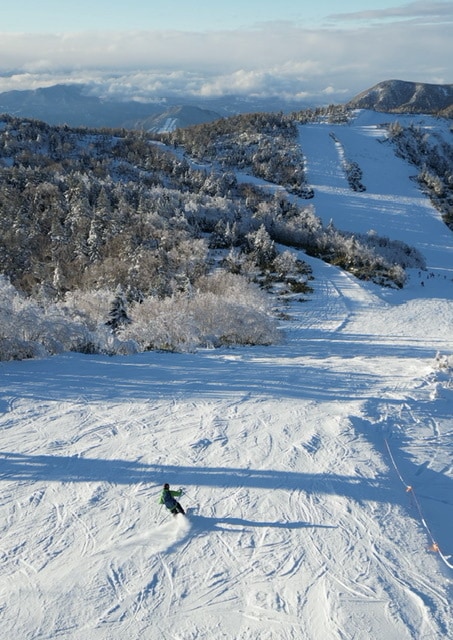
(388, 206)
(300, 526)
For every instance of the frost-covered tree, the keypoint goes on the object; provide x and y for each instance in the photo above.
(118, 316)
(262, 247)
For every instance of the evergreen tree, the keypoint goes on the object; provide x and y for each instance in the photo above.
(118, 316)
(262, 247)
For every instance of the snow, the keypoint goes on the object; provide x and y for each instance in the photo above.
(392, 204)
(317, 472)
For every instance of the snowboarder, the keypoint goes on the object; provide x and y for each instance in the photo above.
(167, 497)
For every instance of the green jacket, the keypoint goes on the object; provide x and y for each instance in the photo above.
(164, 497)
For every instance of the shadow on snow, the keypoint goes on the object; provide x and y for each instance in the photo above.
(201, 524)
(44, 468)
(269, 371)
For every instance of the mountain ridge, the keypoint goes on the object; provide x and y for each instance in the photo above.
(75, 105)
(401, 96)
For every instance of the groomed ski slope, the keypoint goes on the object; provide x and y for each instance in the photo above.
(296, 459)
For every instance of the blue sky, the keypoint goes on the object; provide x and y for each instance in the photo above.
(321, 51)
(198, 15)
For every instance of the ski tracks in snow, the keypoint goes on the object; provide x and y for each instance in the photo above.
(302, 530)
(299, 526)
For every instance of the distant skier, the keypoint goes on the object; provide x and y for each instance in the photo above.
(167, 497)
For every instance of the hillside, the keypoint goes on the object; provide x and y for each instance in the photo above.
(399, 96)
(176, 117)
(116, 241)
(317, 470)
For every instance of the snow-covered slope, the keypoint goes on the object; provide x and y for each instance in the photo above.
(402, 96)
(177, 116)
(317, 472)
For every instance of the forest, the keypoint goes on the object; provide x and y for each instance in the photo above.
(120, 241)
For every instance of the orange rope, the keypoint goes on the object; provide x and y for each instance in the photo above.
(434, 546)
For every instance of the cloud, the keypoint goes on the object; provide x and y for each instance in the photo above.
(413, 11)
(279, 60)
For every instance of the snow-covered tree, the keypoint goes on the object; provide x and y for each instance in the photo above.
(118, 316)
(262, 247)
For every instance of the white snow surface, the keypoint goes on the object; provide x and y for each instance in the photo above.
(318, 473)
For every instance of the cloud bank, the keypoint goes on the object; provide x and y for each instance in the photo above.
(320, 65)
(420, 11)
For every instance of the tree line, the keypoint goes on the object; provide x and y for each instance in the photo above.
(113, 240)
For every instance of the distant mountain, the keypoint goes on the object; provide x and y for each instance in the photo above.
(399, 96)
(75, 106)
(71, 105)
(176, 117)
